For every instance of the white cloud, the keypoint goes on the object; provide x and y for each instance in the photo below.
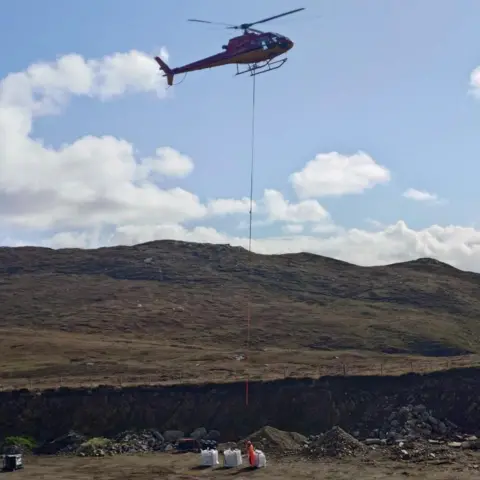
(45, 87)
(326, 228)
(169, 162)
(99, 191)
(95, 180)
(227, 206)
(333, 174)
(375, 223)
(459, 246)
(294, 228)
(422, 196)
(280, 210)
(475, 82)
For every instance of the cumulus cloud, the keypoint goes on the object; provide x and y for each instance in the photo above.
(422, 196)
(333, 174)
(459, 246)
(375, 223)
(475, 82)
(45, 87)
(168, 162)
(294, 228)
(94, 180)
(227, 206)
(280, 209)
(99, 191)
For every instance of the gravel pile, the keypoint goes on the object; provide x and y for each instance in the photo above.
(276, 442)
(136, 442)
(334, 443)
(129, 442)
(96, 447)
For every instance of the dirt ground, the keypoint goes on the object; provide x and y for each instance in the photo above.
(42, 359)
(185, 467)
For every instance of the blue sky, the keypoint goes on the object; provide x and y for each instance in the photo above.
(389, 78)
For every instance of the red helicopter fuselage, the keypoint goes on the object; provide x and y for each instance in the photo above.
(251, 48)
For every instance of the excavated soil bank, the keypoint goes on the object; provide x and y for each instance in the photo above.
(306, 406)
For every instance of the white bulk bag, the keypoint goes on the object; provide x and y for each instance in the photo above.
(260, 459)
(232, 458)
(209, 458)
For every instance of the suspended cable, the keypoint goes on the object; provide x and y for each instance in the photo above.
(249, 304)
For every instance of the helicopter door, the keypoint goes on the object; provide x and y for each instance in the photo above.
(264, 45)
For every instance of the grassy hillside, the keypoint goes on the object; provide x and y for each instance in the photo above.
(163, 308)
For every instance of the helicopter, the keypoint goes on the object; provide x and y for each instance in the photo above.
(254, 48)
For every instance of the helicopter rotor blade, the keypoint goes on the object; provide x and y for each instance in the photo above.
(245, 26)
(208, 21)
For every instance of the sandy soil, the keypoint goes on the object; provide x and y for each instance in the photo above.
(171, 466)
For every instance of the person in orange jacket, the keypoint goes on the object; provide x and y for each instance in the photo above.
(251, 454)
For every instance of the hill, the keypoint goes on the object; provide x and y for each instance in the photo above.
(176, 310)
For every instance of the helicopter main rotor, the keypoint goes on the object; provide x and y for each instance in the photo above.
(247, 26)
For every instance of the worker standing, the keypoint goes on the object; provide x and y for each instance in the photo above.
(251, 454)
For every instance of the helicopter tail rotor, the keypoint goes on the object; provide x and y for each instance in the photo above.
(168, 72)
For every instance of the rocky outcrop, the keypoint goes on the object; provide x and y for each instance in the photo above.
(307, 406)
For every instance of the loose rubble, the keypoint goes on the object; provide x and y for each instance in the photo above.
(410, 433)
(277, 442)
(66, 444)
(334, 443)
(413, 422)
(414, 434)
(419, 451)
(129, 442)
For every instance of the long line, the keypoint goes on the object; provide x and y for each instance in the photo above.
(249, 306)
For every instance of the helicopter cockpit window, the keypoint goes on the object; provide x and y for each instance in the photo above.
(264, 45)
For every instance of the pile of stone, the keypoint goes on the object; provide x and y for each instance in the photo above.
(276, 442)
(96, 447)
(66, 444)
(411, 423)
(137, 442)
(133, 442)
(334, 443)
(129, 442)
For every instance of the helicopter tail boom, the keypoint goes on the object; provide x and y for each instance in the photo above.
(166, 70)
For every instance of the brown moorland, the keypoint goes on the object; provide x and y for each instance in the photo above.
(174, 312)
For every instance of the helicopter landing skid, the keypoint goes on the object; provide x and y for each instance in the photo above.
(257, 69)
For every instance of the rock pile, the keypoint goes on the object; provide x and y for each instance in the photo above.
(96, 447)
(276, 442)
(334, 443)
(65, 444)
(137, 442)
(127, 442)
(413, 422)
